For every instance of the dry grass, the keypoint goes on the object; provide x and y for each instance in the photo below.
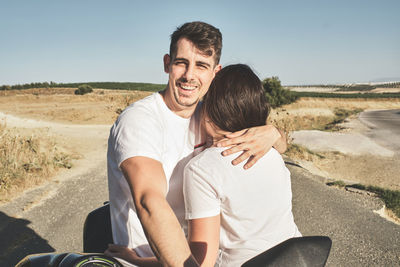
(298, 152)
(344, 103)
(62, 105)
(27, 160)
(317, 113)
(30, 156)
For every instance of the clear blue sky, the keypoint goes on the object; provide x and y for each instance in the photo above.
(301, 42)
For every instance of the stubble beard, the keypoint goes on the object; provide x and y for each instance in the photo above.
(179, 97)
(184, 103)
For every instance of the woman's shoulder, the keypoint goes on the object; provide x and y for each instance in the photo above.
(273, 154)
(208, 160)
(210, 154)
(272, 157)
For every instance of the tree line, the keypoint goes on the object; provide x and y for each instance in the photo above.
(103, 85)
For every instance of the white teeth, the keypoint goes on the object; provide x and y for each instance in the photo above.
(188, 87)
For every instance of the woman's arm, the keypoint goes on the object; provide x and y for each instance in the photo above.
(204, 239)
(130, 255)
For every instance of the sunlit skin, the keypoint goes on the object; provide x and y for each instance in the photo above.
(190, 75)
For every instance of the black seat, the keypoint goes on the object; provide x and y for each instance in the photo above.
(298, 251)
(97, 232)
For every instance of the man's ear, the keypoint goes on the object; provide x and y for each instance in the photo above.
(167, 61)
(217, 68)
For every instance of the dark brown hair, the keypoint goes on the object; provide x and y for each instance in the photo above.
(236, 99)
(205, 37)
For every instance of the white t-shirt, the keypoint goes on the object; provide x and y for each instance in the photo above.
(255, 204)
(150, 129)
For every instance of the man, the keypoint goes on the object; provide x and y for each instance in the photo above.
(154, 138)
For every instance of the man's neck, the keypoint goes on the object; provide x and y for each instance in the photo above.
(181, 111)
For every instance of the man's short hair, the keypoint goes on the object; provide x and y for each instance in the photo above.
(236, 99)
(205, 37)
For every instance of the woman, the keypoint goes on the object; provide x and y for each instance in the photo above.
(235, 214)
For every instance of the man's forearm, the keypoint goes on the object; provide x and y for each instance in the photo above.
(281, 143)
(148, 186)
(163, 231)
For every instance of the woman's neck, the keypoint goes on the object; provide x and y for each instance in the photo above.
(212, 141)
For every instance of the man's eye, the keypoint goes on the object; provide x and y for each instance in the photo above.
(203, 67)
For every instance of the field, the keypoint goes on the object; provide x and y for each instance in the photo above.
(51, 130)
(331, 114)
(52, 110)
(315, 113)
(62, 105)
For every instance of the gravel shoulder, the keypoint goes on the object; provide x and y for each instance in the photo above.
(360, 153)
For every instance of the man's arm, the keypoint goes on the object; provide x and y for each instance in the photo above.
(148, 185)
(204, 239)
(254, 142)
(281, 143)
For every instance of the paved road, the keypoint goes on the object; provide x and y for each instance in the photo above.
(384, 127)
(56, 224)
(360, 237)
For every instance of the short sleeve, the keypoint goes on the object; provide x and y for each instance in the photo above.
(200, 193)
(137, 133)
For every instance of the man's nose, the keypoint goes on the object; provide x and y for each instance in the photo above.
(189, 73)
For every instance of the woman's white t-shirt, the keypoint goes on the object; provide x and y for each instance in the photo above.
(255, 204)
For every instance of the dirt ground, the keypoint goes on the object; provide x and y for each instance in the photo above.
(81, 124)
(78, 125)
(368, 163)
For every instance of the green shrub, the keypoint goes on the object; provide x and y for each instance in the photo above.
(390, 197)
(276, 94)
(340, 116)
(83, 89)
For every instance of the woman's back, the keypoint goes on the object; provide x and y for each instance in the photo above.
(255, 204)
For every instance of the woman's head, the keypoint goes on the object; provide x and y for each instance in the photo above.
(236, 99)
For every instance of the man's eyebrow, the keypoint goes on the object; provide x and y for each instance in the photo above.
(181, 59)
(203, 63)
(197, 62)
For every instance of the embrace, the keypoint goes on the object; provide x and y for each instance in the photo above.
(178, 197)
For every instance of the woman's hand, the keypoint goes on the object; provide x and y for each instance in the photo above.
(122, 252)
(130, 256)
(254, 142)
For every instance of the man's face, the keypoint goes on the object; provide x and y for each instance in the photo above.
(190, 74)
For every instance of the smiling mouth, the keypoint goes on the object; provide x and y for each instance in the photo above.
(187, 87)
